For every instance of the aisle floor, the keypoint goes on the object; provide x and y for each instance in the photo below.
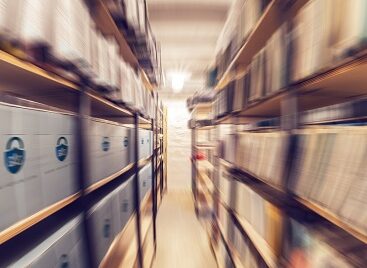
(181, 239)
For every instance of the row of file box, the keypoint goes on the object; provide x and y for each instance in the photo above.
(241, 20)
(353, 110)
(243, 247)
(135, 13)
(63, 248)
(145, 181)
(111, 149)
(267, 74)
(248, 256)
(329, 166)
(299, 49)
(109, 216)
(325, 32)
(66, 27)
(263, 154)
(39, 159)
(264, 218)
(330, 171)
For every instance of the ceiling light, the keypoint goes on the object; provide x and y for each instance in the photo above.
(178, 80)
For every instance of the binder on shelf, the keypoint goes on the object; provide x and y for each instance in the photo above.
(263, 154)
(320, 178)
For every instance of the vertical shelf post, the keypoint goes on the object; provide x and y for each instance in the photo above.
(136, 189)
(82, 170)
(194, 166)
(154, 189)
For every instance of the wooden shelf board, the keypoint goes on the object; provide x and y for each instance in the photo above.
(143, 162)
(233, 252)
(106, 180)
(31, 82)
(260, 244)
(123, 250)
(342, 83)
(209, 185)
(277, 197)
(27, 80)
(325, 213)
(26, 223)
(204, 164)
(101, 107)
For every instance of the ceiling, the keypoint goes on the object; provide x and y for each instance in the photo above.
(187, 31)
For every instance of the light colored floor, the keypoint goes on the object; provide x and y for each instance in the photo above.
(181, 239)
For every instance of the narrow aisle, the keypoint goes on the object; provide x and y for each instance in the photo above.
(181, 240)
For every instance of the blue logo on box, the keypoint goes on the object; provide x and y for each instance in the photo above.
(126, 142)
(14, 155)
(105, 144)
(107, 228)
(64, 261)
(125, 205)
(62, 148)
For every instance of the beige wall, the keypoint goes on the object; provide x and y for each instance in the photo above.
(179, 144)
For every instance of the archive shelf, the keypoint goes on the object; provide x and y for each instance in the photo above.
(206, 181)
(72, 94)
(144, 161)
(234, 260)
(322, 89)
(23, 73)
(17, 76)
(341, 82)
(297, 208)
(56, 91)
(334, 219)
(204, 165)
(109, 178)
(327, 87)
(232, 251)
(22, 79)
(257, 241)
(260, 244)
(275, 14)
(279, 197)
(123, 250)
(146, 212)
(27, 223)
(107, 26)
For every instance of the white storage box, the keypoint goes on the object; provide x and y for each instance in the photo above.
(37, 171)
(10, 17)
(63, 248)
(38, 21)
(101, 220)
(109, 149)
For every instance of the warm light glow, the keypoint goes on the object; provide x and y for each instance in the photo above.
(178, 80)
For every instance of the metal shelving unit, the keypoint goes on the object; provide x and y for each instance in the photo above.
(327, 87)
(27, 81)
